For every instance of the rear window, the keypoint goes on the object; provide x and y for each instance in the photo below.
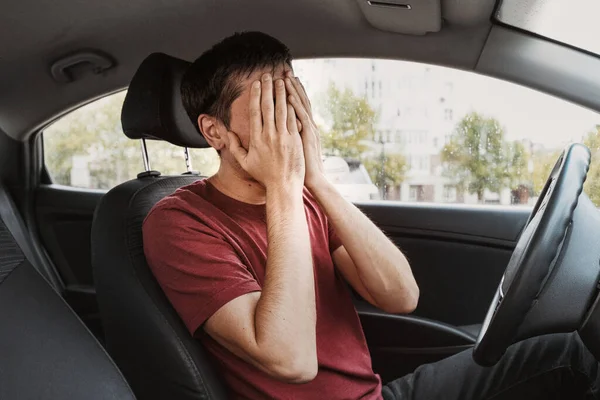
(88, 149)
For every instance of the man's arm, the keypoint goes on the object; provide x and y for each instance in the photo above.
(369, 261)
(275, 329)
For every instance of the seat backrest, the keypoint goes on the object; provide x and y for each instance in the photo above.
(144, 334)
(46, 352)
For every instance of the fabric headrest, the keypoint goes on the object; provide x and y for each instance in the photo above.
(153, 107)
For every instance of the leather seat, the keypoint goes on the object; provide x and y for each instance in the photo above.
(144, 334)
(46, 352)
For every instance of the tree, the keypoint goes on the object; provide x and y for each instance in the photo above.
(478, 157)
(592, 183)
(543, 161)
(351, 120)
(93, 134)
(516, 160)
(386, 170)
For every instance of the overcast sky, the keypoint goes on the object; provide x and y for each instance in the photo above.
(524, 112)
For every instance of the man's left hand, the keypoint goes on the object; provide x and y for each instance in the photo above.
(310, 134)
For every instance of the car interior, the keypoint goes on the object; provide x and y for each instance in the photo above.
(83, 316)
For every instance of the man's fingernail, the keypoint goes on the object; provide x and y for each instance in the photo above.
(279, 82)
(266, 77)
(256, 84)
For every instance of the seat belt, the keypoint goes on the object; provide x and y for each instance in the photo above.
(9, 214)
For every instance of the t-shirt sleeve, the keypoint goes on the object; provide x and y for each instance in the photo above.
(334, 240)
(198, 270)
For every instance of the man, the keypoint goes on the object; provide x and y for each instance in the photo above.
(256, 259)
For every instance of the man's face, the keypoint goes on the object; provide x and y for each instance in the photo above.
(240, 113)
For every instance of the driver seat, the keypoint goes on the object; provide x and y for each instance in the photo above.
(144, 334)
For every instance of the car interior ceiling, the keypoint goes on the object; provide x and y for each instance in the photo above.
(50, 77)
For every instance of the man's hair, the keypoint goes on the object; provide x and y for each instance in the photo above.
(211, 83)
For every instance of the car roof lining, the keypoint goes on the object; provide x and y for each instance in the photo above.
(130, 31)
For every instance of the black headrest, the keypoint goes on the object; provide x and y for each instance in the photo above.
(153, 107)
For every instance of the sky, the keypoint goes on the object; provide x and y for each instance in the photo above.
(524, 112)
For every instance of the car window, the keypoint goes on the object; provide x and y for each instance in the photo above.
(390, 131)
(421, 133)
(88, 149)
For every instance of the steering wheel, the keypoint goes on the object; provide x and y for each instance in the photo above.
(551, 278)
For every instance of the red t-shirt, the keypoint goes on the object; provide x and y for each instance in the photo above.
(206, 249)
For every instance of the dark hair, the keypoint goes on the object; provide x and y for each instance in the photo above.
(209, 85)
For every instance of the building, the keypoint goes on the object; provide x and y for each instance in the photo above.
(416, 116)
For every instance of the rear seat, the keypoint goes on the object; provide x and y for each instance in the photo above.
(45, 350)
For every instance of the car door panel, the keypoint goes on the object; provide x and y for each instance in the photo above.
(64, 221)
(400, 343)
(64, 216)
(458, 255)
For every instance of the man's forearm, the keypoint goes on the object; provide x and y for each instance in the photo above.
(286, 313)
(381, 266)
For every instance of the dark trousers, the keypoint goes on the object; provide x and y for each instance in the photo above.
(547, 367)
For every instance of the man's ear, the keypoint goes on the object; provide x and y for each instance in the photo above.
(212, 131)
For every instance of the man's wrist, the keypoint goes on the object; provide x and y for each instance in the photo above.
(320, 187)
(288, 194)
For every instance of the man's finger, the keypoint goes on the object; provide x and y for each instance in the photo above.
(235, 147)
(291, 88)
(281, 106)
(254, 107)
(292, 126)
(302, 93)
(267, 106)
(299, 109)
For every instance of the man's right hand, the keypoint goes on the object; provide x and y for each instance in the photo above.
(259, 326)
(274, 156)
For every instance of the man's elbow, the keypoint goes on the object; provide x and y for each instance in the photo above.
(296, 369)
(404, 305)
(412, 301)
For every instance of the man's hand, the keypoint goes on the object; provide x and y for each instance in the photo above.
(275, 156)
(310, 134)
(260, 326)
(378, 270)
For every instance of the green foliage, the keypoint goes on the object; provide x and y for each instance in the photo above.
(592, 183)
(93, 134)
(543, 161)
(478, 157)
(386, 170)
(516, 160)
(352, 120)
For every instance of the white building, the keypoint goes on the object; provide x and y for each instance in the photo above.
(416, 115)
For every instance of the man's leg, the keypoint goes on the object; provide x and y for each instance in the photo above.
(547, 367)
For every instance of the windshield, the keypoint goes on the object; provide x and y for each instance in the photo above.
(574, 22)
